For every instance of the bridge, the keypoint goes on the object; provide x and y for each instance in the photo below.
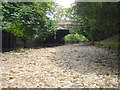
(66, 24)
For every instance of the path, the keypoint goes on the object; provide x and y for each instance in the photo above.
(62, 66)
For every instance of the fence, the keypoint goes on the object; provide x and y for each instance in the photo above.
(8, 41)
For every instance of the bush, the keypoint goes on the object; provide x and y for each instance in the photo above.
(74, 38)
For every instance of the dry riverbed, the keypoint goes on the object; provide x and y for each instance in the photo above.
(66, 66)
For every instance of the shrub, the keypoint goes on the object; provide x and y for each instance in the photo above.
(74, 38)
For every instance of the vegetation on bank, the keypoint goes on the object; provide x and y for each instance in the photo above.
(28, 20)
(97, 21)
(74, 38)
(111, 44)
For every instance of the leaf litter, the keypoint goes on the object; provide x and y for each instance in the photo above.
(67, 66)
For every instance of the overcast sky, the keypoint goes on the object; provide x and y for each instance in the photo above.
(65, 3)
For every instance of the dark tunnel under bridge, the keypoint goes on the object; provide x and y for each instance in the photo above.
(57, 37)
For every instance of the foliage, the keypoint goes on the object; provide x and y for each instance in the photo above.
(110, 44)
(62, 15)
(27, 19)
(74, 37)
(98, 20)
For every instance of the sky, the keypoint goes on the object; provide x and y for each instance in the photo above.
(65, 3)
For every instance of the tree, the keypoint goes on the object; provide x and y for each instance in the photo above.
(27, 19)
(97, 20)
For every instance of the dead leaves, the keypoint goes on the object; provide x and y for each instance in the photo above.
(57, 67)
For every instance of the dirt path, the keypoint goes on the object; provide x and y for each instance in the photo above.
(62, 66)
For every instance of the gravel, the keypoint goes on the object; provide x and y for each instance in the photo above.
(67, 66)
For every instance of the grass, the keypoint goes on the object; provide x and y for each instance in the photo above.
(111, 44)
